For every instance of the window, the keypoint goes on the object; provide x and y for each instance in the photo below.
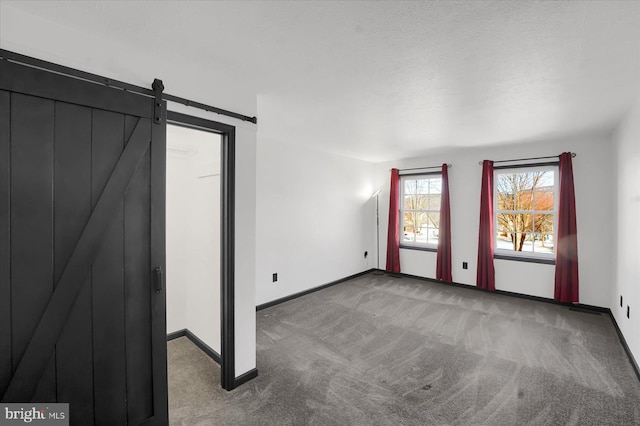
(420, 210)
(525, 211)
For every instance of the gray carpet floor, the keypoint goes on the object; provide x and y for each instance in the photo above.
(381, 350)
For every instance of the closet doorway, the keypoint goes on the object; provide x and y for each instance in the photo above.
(193, 259)
(193, 234)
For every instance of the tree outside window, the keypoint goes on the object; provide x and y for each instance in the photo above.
(525, 212)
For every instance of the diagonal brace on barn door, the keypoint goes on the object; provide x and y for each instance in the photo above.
(42, 343)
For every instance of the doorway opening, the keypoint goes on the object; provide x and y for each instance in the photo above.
(193, 256)
(209, 255)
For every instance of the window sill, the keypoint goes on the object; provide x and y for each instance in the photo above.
(424, 248)
(525, 259)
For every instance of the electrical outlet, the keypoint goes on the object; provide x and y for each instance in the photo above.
(275, 277)
(621, 301)
(627, 311)
(465, 265)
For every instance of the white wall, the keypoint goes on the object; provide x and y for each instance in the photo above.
(314, 218)
(177, 244)
(245, 252)
(627, 230)
(592, 175)
(203, 294)
(34, 36)
(193, 233)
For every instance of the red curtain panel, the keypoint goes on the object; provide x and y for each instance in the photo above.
(485, 277)
(393, 234)
(443, 260)
(566, 278)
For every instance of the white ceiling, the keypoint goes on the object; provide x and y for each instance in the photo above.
(387, 80)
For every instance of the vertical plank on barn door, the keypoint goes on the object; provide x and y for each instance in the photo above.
(5, 242)
(158, 258)
(31, 226)
(72, 208)
(138, 292)
(108, 279)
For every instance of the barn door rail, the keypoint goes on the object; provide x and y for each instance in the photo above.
(34, 361)
(7, 55)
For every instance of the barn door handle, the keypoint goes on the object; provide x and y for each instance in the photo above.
(158, 279)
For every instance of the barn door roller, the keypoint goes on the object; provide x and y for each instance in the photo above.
(158, 87)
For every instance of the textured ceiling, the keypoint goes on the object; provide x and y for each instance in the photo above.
(386, 80)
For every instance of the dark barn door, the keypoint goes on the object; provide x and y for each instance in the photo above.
(82, 314)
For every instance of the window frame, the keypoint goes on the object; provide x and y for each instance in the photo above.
(414, 245)
(534, 257)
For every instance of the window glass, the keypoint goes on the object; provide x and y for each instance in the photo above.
(420, 210)
(525, 211)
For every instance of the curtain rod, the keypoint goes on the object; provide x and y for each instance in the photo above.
(573, 155)
(83, 75)
(424, 168)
